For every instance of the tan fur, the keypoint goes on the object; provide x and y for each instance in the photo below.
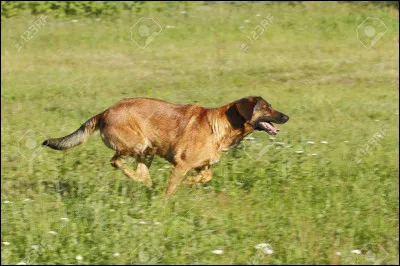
(188, 136)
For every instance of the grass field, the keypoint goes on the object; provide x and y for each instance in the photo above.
(325, 188)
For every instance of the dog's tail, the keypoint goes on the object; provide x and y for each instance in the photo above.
(77, 137)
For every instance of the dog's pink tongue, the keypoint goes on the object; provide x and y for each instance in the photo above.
(271, 128)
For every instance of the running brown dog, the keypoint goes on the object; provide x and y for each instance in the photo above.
(188, 136)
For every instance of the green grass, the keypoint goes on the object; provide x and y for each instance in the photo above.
(307, 64)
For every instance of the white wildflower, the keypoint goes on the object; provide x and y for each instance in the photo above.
(339, 253)
(310, 142)
(74, 20)
(262, 245)
(324, 142)
(116, 254)
(268, 251)
(6, 243)
(265, 247)
(21, 263)
(52, 232)
(218, 251)
(299, 152)
(314, 154)
(356, 251)
(64, 219)
(7, 202)
(79, 257)
(247, 21)
(183, 12)
(35, 247)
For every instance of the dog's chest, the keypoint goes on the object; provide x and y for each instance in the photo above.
(221, 149)
(229, 143)
(225, 148)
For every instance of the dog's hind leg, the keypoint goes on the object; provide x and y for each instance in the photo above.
(203, 176)
(140, 175)
(118, 162)
(144, 163)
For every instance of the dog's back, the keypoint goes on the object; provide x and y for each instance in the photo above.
(135, 125)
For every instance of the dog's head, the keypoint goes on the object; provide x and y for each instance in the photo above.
(256, 112)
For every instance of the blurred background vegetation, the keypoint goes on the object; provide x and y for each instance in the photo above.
(61, 9)
(310, 194)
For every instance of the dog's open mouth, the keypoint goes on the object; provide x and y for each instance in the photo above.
(268, 127)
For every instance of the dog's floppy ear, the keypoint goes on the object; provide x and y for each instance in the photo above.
(241, 111)
(245, 107)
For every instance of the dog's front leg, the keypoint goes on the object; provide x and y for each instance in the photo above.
(175, 177)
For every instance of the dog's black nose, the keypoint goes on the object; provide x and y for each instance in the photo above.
(285, 118)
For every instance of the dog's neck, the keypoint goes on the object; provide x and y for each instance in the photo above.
(228, 128)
